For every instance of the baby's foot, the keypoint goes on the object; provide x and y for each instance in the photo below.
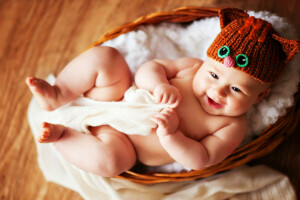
(45, 94)
(50, 132)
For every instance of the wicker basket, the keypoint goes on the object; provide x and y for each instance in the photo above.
(268, 140)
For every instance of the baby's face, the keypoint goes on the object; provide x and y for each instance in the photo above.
(226, 91)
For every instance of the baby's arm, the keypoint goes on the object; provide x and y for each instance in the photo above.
(204, 153)
(154, 76)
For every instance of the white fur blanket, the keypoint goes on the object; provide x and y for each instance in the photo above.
(172, 41)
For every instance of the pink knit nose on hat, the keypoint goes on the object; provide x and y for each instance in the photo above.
(229, 62)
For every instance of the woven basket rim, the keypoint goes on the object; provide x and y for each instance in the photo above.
(186, 11)
(268, 139)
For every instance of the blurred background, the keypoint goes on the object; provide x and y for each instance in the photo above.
(39, 37)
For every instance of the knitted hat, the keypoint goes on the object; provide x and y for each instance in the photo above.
(251, 45)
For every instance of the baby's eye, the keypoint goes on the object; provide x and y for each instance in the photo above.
(236, 89)
(214, 75)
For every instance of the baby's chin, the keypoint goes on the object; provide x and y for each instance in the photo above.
(230, 113)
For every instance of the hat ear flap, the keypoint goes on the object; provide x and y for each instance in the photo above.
(227, 15)
(290, 47)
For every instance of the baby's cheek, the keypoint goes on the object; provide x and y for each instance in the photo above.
(239, 107)
(204, 84)
(198, 88)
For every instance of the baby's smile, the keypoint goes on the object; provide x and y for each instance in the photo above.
(214, 104)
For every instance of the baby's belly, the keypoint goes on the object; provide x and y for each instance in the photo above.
(149, 150)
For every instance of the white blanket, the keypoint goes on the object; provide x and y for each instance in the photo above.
(130, 116)
(173, 41)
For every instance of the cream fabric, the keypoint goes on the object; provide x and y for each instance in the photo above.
(130, 116)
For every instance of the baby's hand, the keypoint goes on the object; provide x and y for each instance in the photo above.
(167, 121)
(167, 94)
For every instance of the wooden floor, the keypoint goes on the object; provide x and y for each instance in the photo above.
(40, 37)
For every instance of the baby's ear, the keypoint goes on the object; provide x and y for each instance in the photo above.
(227, 15)
(290, 47)
(262, 95)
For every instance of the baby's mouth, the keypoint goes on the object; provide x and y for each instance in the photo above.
(214, 104)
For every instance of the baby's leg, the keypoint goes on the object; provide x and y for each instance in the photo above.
(100, 73)
(107, 155)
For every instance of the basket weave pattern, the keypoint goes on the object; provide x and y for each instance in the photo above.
(269, 138)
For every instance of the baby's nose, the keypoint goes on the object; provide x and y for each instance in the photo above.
(217, 93)
(220, 92)
(228, 61)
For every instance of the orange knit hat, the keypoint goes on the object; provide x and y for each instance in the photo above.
(251, 45)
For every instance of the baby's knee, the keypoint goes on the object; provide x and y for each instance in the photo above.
(114, 166)
(119, 157)
(104, 53)
(108, 61)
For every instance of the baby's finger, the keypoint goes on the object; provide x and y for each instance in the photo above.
(158, 98)
(167, 111)
(176, 103)
(172, 99)
(165, 98)
(159, 121)
(163, 116)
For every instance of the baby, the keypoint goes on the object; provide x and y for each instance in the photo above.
(205, 120)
